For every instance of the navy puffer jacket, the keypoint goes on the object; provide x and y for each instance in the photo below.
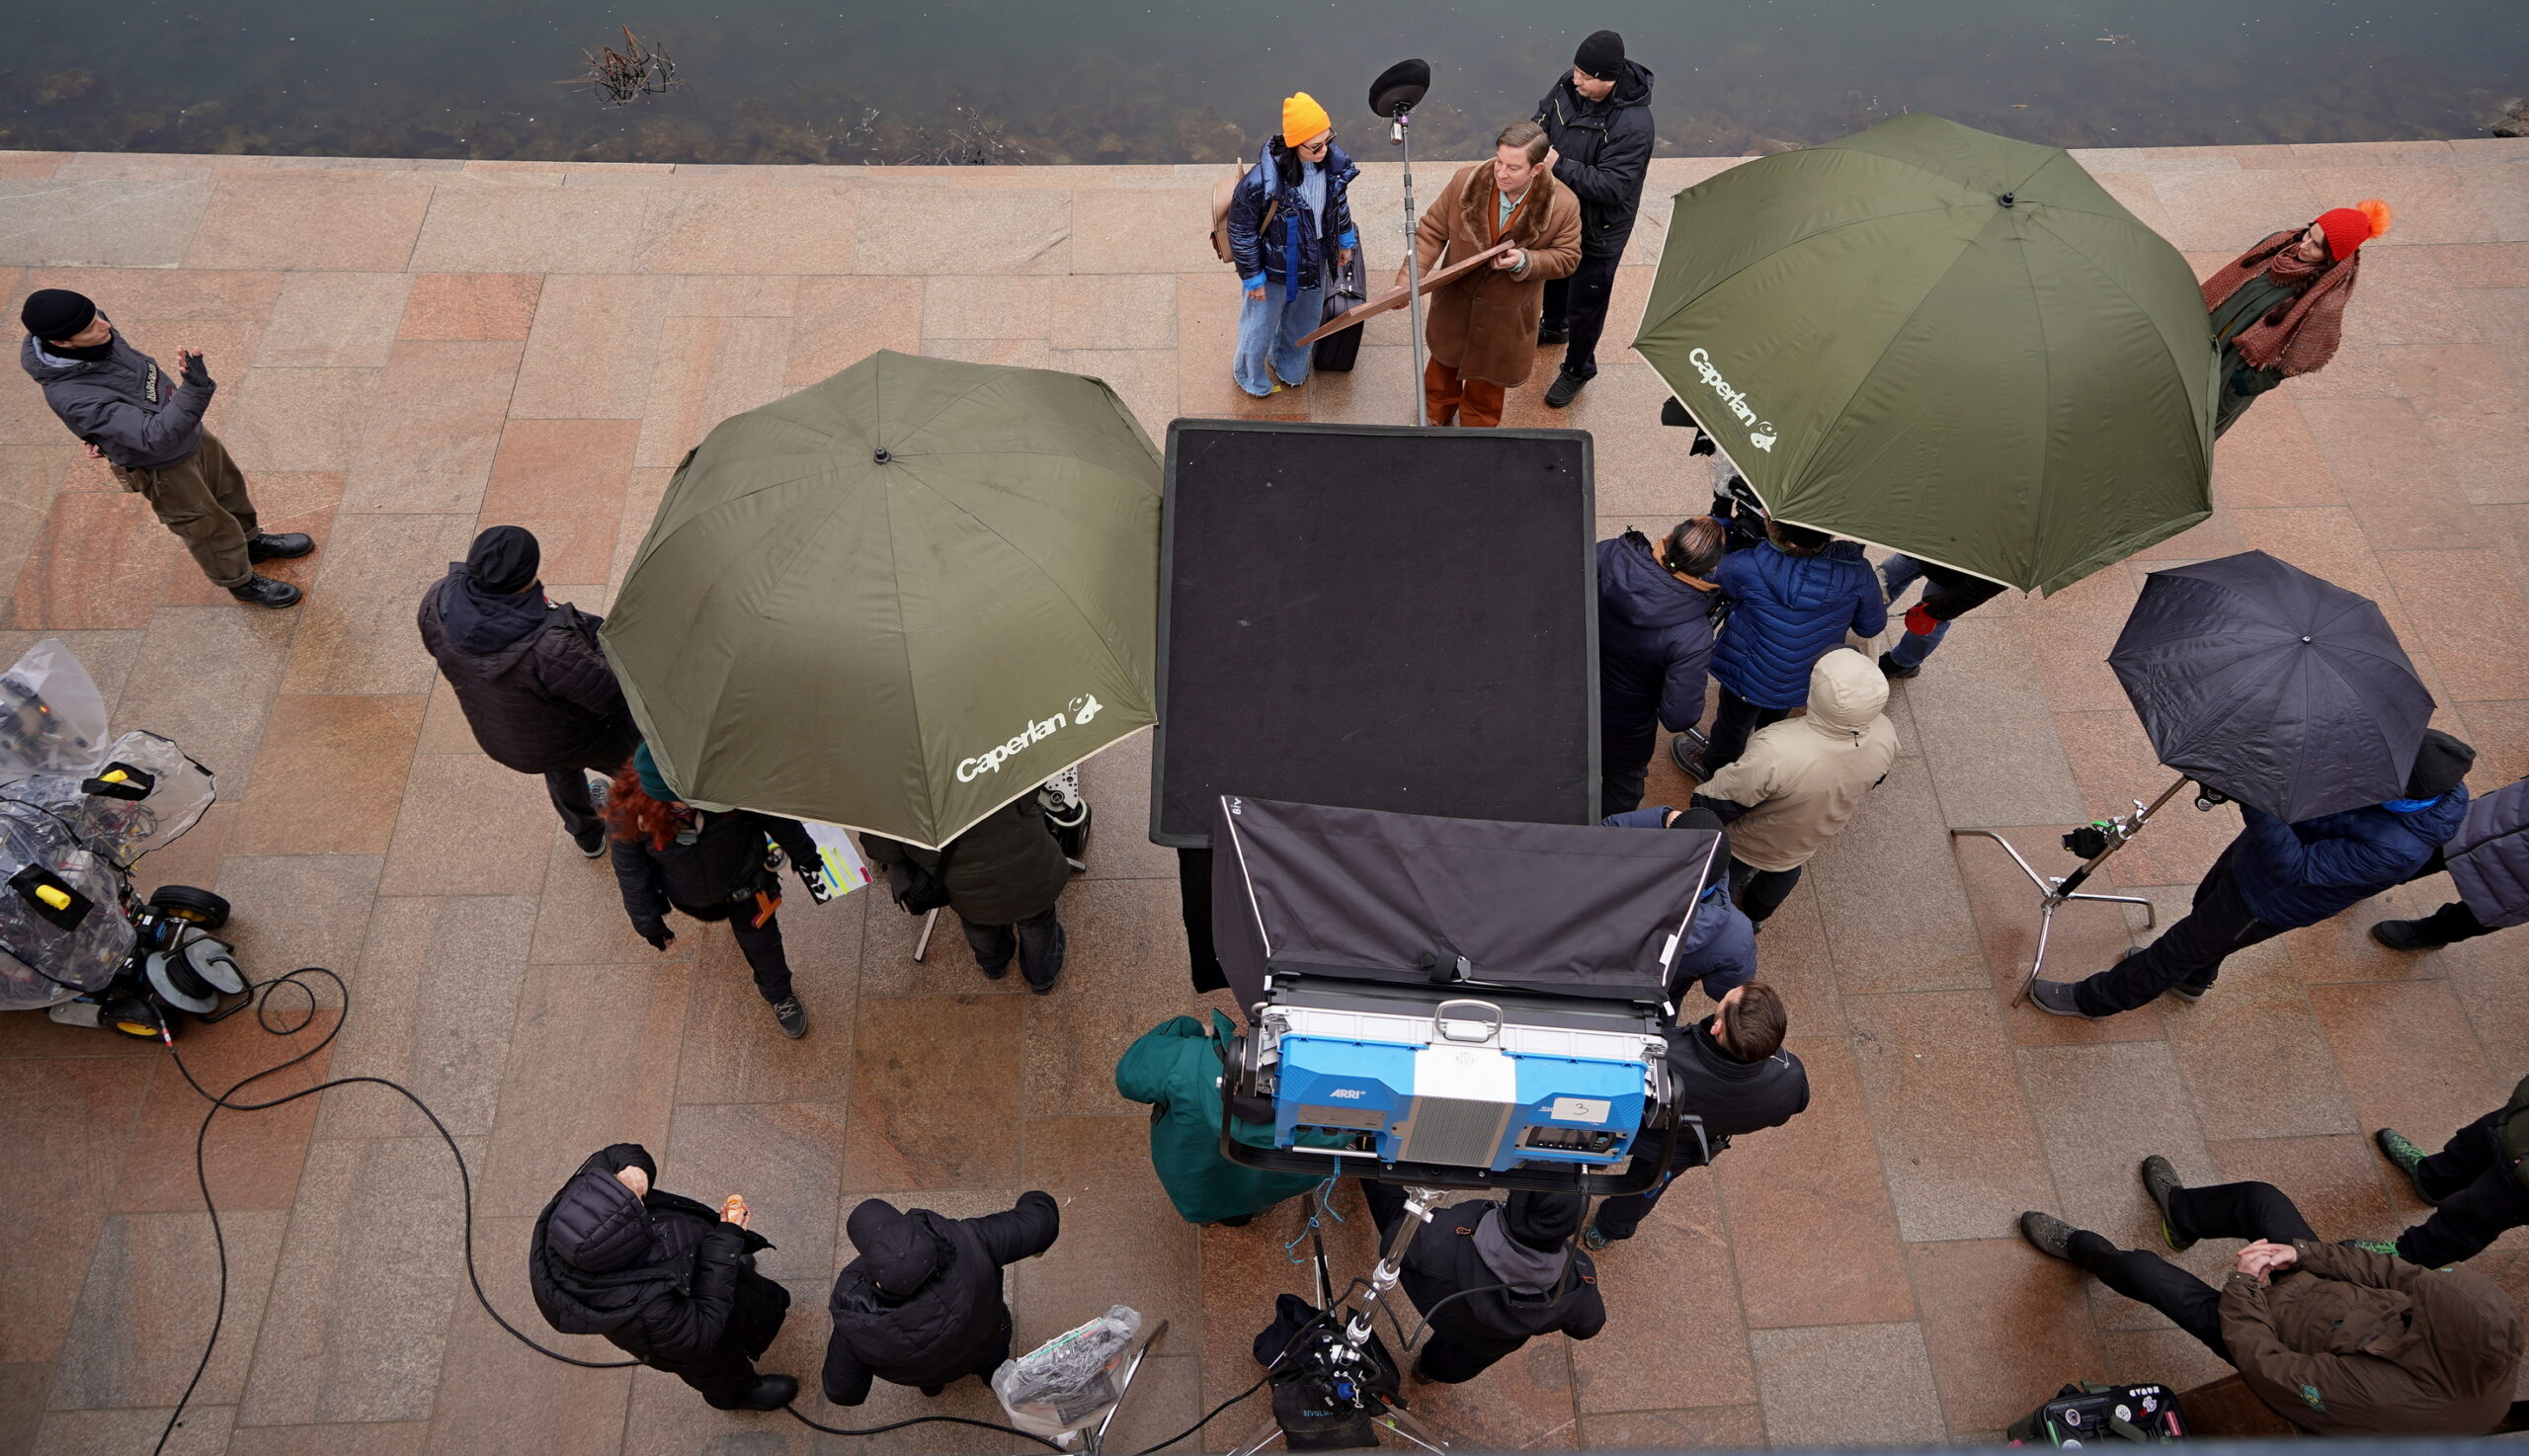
(2489, 857)
(1654, 648)
(1261, 250)
(1786, 612)
(2298, 875)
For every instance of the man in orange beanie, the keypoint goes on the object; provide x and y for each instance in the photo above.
(2278, 308)
(1289, 221)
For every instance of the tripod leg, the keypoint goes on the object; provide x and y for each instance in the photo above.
(1407, 1425)
(2045, 929)
(1263, 1437)
(2034, 877)
(2151, 913)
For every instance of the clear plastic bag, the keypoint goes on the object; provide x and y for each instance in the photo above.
(1064, 1384)
(180, 789)
(74, 958)
(52, 718)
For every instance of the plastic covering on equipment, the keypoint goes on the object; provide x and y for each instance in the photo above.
(52, 718)
(1064, 1384)
(180, 789)
(79, 944)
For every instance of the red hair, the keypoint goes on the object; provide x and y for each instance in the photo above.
(633, 815)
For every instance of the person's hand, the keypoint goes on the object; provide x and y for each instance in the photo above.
(734, 1210)
(1552, 156)
(1513, 260)
(2262, 1260)
(820, 889)
(635, 1179)
(1256, 293)
(660, 938)
(195, 371)
(1343, 257)
(93, 454)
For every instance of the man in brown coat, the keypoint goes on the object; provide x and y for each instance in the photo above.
(2339, 1341)
(1482, 330)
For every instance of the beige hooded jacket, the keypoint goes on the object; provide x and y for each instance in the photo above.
(1802, 778)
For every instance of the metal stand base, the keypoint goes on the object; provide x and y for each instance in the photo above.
(1394, 1419)
(1123, 1386)
(2063, 890)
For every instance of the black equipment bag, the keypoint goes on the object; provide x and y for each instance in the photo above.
(1346, 288)
(2089, 1412)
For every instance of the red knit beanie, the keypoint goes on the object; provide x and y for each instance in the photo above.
(2348, 228)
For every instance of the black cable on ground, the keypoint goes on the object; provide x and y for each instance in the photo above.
(262, 991)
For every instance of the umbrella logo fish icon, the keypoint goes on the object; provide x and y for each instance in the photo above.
(1763, 436)
(1084, 709)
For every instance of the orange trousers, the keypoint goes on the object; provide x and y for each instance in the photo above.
(1448, 399)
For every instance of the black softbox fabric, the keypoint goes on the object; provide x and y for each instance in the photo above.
(1382, 616)
(1361, 894)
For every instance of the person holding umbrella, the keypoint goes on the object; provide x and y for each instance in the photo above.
(2276, 877)
(2278, 308)
(669, 854)
(1001, 877)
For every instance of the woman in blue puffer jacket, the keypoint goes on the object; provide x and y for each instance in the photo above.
(1791, 602)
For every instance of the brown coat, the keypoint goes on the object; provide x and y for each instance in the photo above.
(2354, 1343)
(1485, 325)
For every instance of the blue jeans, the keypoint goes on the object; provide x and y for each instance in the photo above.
(1898, 573)
(1269, 326)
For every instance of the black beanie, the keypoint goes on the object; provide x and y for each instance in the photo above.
(1601, 56)
(1707, 819)
(505, 559)
(2439, 766)
(55, 314)
(1543, 1220)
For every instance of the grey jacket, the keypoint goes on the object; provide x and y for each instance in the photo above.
(2489, 857)
(140, 416)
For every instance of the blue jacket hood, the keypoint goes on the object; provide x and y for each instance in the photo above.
(1786, 613)
(2298, 875)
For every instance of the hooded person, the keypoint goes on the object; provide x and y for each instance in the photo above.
(1598, 118)
(1719, 952)
(1175, 1069)
(537, 694)
(2278, 308)
(2337, 1340)
(2275, 877)
(146, 425)
(662, 1278)
(1801, 779)
(1490, 1276)
(920, 1303)
(1654, 647)
(1290, 223)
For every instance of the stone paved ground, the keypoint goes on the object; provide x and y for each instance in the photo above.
(408, 350)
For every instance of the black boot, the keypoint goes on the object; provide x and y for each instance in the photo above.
(2405, 934)
(1549, 334)
(263, 591)
(771, 1392)
(282, 547)
(1566, 387)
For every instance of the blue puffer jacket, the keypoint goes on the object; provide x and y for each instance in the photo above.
(2298, 875)
(1787, 611)
(1654, 649)
(1264, 255)
(2489, 857)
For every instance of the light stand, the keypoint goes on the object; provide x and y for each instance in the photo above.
(1393, 96)
(2064, 889)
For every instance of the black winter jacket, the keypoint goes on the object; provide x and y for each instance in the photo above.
(536, 691)
(1605, 149)
(1654, 648)
(137, 415)
(1444, 1260)
(662, 1277)
(705, 878)
(2489, 857)
(1003, 870)
(1951, 594)
(1734, 1097)
(948, 1326)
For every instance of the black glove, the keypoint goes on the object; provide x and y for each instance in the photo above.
(659, 937)
(196, 373)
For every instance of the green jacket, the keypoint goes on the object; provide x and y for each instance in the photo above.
(1176, 1068)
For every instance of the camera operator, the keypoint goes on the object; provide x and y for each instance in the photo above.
(1003, 878)
(665, 1279)
(1598, 118)
(1656, 606)
(1506, 1271)
(922, 1302)
(1732, 1072)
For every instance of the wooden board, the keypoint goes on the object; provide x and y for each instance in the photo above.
(1396, 299)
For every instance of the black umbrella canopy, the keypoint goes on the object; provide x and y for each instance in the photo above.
(2276, 688)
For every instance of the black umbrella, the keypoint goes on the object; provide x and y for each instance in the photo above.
(2264, 682)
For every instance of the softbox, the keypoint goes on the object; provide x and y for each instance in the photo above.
(1382, 616)
(1456, 906)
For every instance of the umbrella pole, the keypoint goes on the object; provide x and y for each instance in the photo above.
(2064, 889)
(922, 942)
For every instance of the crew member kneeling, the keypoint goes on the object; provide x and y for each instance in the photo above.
(1514, 1263)
(922, 1304)
(665, 1279)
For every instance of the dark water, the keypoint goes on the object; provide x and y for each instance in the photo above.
(1199, 80)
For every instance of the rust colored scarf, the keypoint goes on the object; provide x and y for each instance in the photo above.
(2302, 336)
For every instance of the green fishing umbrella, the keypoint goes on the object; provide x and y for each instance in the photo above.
(897, 600)
(1944, 342)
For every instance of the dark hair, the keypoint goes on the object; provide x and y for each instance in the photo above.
(1528, 136)
(1799, 541)
(1755, 1024)
(631, 814)
(1694, 548)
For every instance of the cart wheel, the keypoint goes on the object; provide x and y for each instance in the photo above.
(133, 1016)
(197, 907)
